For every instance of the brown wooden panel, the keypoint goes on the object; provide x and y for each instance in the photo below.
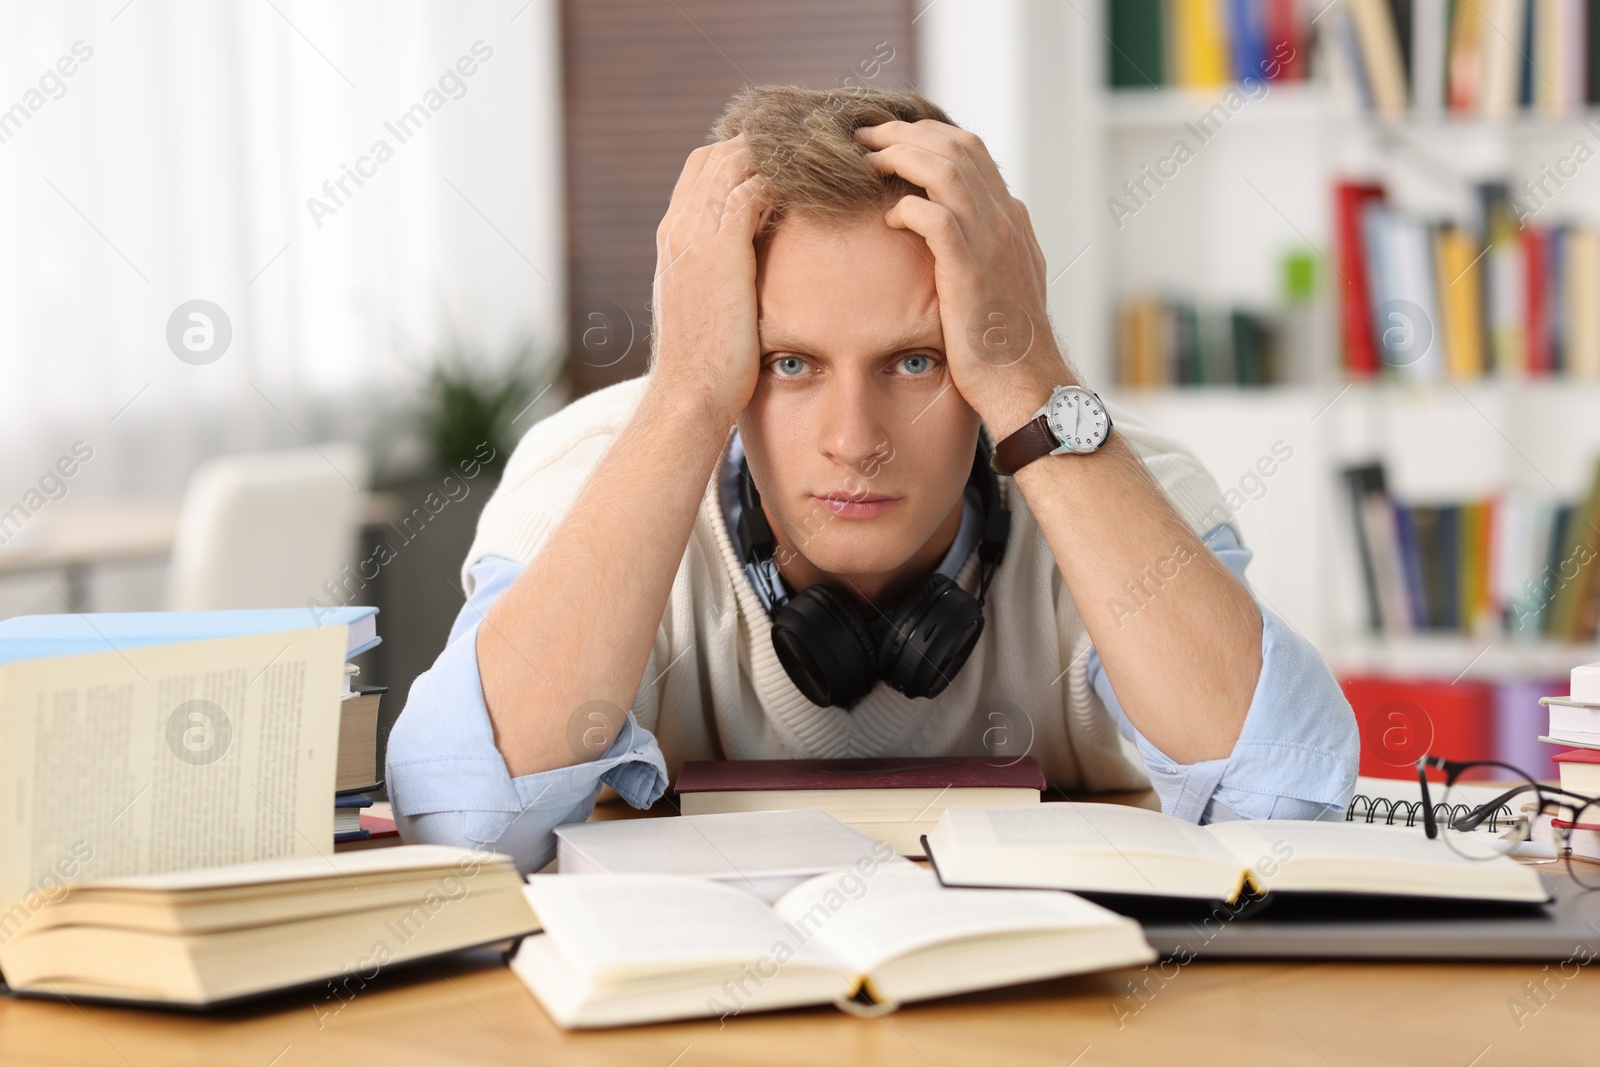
(644, 81)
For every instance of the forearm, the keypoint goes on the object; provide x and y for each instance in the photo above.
(1297, 755)
(1178, 633)
(576, 627)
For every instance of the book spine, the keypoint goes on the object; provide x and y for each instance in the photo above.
(1360, 351)
(1135, 58)
(1359, 482)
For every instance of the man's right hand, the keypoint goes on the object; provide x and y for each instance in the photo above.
(707, 354)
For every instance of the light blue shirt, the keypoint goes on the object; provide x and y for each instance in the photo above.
(1295, 758)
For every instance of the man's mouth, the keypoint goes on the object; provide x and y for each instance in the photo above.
(854, 506)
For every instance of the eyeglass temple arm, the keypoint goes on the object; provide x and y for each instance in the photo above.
(1424, 763)
(1472, 819)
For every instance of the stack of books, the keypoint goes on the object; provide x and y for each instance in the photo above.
(1467, 58)
(1512, 292)
(358, 757)
(1509, 564)
(1575, 725)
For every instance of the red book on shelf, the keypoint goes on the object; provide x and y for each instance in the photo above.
(1355, 306)
(1538, 328)
(1284, 40)
(935, 772)
(1401, 720)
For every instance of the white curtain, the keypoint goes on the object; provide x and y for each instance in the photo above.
(175, 163)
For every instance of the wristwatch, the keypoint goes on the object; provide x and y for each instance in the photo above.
(1072, 420)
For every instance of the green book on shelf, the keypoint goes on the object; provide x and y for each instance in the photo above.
(1559, 526)
(1570, 605)
(1185, 343)
(1214, 343)
(1431, 569)
(1136, 44)
(1592, 20)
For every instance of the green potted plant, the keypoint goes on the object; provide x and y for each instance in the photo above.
(461, 429)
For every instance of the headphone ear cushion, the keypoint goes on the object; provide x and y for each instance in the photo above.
(825, 648)
(930, 636)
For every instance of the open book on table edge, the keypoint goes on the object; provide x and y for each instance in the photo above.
(301, 897)
(917, 940)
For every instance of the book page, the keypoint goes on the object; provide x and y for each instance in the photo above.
(604, 922)
(1267, 844)
(871, 918)
(427, 861)
(1101, 827)
(735, 846)
(166, 757)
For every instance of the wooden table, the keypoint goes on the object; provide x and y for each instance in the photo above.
(78, 533)
(473, 1011)
(1316, 1014)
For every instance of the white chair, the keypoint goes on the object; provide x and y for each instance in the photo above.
(268, 529)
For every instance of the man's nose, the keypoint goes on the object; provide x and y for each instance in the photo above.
(853, 429)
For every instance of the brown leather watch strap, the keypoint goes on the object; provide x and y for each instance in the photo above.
(1022, 447)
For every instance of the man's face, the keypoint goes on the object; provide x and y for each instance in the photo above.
(854, 400)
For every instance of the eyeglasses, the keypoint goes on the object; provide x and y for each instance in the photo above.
(1479, 828)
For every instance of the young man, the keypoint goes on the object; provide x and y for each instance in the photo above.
(846, 296)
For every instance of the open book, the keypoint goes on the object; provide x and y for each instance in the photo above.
(1130, 852)
(164, 757)
(198, 938)
(634, 948)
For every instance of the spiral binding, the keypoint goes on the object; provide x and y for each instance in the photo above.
(1390, 811)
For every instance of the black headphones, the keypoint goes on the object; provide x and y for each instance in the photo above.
(824, 644)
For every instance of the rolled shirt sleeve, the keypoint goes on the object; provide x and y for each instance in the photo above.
(448, 782)
(1297, 753)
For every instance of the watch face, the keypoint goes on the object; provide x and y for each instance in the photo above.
(1079, 420)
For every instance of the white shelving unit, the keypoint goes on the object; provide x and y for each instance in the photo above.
(1217, 231)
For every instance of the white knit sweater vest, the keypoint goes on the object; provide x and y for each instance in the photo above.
(713, 687)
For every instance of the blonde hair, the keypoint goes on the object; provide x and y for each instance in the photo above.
(800, 139)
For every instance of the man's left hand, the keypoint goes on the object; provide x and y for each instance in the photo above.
(989, 272)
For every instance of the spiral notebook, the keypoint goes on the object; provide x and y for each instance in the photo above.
(1398, 802)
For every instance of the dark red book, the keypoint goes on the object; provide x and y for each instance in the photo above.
(1537, 355)
(913, 772)
(896, 800)
(1355, 306)
(1402, 720)
(1285, 44)
(379, 825)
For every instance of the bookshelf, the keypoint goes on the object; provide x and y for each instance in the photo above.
(1217, 232)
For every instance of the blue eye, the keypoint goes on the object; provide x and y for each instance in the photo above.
(800, 364)
(927, 362)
